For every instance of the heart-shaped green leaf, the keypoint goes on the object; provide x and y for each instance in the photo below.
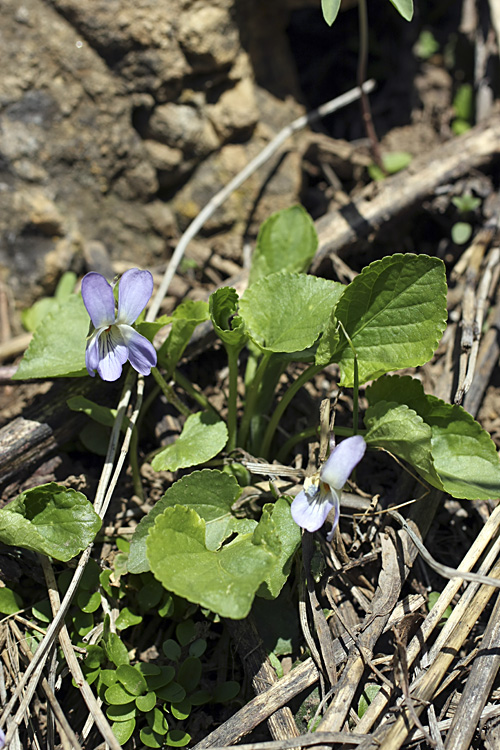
(50, 519)
(224, 581)
(287, 241)
(57, 348)
(286, 312)
(211, 494)
(463, 454)
(394, 312)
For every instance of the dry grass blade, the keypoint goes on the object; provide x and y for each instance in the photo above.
(385, 600)
(478, 686)
(424, 688)
(65, 727)
(487, 533)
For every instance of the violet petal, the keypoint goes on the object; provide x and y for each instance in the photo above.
(338, 467)
(113, 353)
(92, 353)
(310, 509)
(141, 352)
(98, 299)
(134, 290)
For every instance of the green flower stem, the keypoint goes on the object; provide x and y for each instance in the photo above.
(232, 361)
(186, 385)
(278, 412)
(251, 399)
(170, 394)
(134, 464)
(311, 432)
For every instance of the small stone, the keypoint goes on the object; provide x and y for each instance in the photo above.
(209, 38)
(236, 112)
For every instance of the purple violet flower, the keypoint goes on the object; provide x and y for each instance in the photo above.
(2, 738)
(113, 340)
(312, 505)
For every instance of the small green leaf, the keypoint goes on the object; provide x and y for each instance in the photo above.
(123, 730)
(405, 8)
(159, 680)
(116, 650)
(83, 622)
(57, 348)
(157, 721)
(177, 738)
(89, 602)
(185, 318)
(173, 693)
(171, 649)
(223, 306)
(401, 431)
(181, 710)
(116, 695)
(148, 596)
(132, 679)
(202, 437)
(124, 712)
(395, 161)
(286, 312)
(463, 102)
(394, 313)
(34, 316)
(224, 581)
(369, 692)
(146, 702)
(50, 519)
(101, 414)
(185, 632)
(287, 241)
(226, 691)
(127, 619)
(189, 674)
(150, 738)
(198, 647)
(10, 602)
(330, 10)
(461, 232)
(150, 329)
(95, 656)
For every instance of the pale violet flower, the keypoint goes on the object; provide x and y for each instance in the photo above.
(320, 494)
(113, 340)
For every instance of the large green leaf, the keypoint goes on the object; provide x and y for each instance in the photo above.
(394, 312)
(287, 241)
(202, 437)
(286, 312)
(51, 519)
(57, 348)
(401, 431)
(464, 455)
(211, 494)
(224, 581)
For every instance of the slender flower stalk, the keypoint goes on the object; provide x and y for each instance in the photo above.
(322, 494)
(113, 341)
